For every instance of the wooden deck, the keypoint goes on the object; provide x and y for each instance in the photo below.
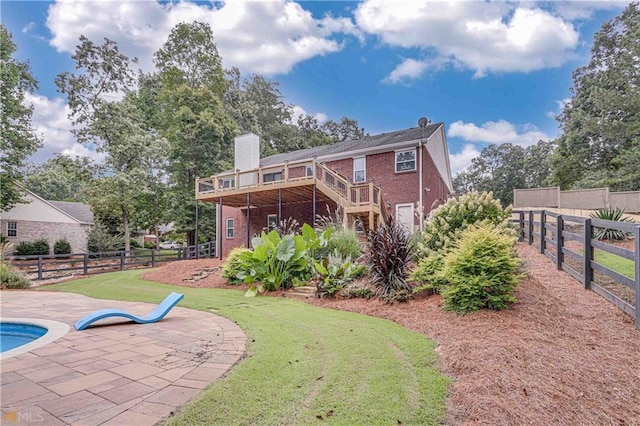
(289, 183)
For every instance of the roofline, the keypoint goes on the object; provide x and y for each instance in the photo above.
(52, 206)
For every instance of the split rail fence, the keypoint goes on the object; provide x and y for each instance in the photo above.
(41, 267)
(555, 234)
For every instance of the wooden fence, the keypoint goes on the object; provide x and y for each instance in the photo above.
(65, 265)
(582, 199)
(559, 238)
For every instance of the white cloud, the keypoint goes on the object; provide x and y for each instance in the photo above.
(27, 28)
(268, 37)
(407, 69)
(298, 112)
(560, 103)
(573, 10)
(482, 36)
(461, 160)
(497, 132)
(51, 123)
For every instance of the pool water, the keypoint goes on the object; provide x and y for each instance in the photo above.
(13, 334)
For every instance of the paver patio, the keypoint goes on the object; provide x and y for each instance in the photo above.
(118, 373)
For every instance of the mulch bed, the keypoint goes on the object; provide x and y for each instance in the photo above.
(562, 355)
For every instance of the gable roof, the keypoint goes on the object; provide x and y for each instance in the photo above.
(81, 212)
(368, 142)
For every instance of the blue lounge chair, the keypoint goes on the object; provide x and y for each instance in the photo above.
(157, 314)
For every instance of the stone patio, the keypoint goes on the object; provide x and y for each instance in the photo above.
(116, 374)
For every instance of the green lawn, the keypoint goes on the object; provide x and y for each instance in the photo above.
(619, 264)
(306, 364)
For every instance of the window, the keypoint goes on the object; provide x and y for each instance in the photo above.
(272, 221)
(230, 224)
(359, 170)
(12, 229)
(272, 177)
(227, 183)
(405, 161)
(309, 170)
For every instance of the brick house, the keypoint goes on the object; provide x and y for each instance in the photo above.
(367, 179)
(52, 220)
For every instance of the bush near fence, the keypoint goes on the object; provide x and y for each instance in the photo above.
(552, 231)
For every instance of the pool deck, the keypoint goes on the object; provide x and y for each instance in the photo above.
(118, 374)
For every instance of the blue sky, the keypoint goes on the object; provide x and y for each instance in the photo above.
(493, 72)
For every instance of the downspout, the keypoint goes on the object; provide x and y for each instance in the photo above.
(421, 215)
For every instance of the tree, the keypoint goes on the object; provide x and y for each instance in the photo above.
(601, 123)
(344, 130)
(18, 139)
(104, 107)
(61, 178)
(193, 119)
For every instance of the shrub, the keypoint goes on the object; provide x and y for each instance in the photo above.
(358, 292)
(275, 261)
(41, 247)
(429, 271)
(615, 215)
(482, 271)
(389, 250)
(149, 245)
(399, 296)
(335, 272)
(134, 243)
(24, 249)
(62, 246)
(12, 278)
(99, 240)
(345, 242)
(235, 266)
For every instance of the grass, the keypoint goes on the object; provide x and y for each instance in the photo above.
(619, 264)
(305, 365)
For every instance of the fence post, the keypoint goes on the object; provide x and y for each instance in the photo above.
(85, 264)
(543, 231)
(153, 258)
(637, 251)
(210, 249)
(559, 242)
(198, 248)
(39, 267)
(530, 227)
(121, 260)
(521, 226)
(587, 274)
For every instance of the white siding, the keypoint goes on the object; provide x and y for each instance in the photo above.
(247, 152)
(437, 148)
(36, 211)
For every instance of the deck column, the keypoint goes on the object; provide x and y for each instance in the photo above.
(219, 233)
(248, 220)
(313, 219)
(279, 206)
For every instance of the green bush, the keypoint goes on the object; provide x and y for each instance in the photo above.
(335, 272)
(235, 266)
(41, 247)
(358, 292)
(11, 278)
(99, 240)
(481, 271)
(429, 272)
(24, 248)
(345, 242)
(389, 251)
(149, 245)
(134, 243)
(615, 215)
(62, 246)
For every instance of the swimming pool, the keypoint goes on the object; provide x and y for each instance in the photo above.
(22, 335)
(14, 334)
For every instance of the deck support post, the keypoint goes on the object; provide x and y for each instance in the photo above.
(279, 206)
(313, 212)
(219, 233)
(248, 220)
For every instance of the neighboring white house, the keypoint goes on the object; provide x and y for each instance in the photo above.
(53, 220)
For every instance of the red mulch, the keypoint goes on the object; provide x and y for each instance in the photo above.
(562, 355)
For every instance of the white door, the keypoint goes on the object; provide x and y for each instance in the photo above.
(404, 216)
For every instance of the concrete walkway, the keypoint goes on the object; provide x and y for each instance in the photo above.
(120, 374)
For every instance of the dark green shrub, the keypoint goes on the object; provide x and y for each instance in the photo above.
(234, 266)
(11, 278)
(41, 247)
(149, 245)
(335, 272)
(3, 239)
(99, 240)
(134, 243)
(358, 292)
(389, 251)
(24, 248)
(481, 271)
(62, 246)
(615, 215)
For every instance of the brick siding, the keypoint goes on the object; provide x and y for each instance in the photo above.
(74, 233)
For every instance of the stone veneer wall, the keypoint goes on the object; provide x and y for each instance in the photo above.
(74, 233)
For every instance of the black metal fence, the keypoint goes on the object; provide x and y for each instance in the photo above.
(65, 265)
(569, 242)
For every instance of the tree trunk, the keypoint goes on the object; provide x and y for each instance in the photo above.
(191, 237)
(127, 231)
